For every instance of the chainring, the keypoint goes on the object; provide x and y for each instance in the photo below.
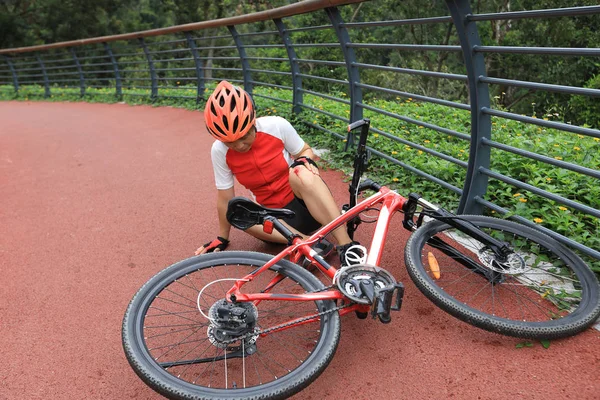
(348, 280)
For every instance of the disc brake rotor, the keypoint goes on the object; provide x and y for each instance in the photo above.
(513, 265)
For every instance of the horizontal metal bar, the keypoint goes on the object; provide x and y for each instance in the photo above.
(325, 62)
(216, 48)
(238, 81)
(265, 58)
(551, 233)
(101, 72)
(542, 86)
(259, 33)
(416, 21)
(548, 160)
(29, 75)
(140, 54)
(410, 47)
(272, 98)
(323, 79)
(547, 124)
(334, 116)
(316, 45)
(173, 60)
(554, 12)
(419, 97)
(92, 58)
(268, 84)
(63, 73)
(418, 123)
(409, 71)
(309, 28)
(176, 87)
(176, 69)
(182, 78)
(562, 51)
(266, 71)
(222, 69)
(183, 50)
(61, 67)
(95, 64)
(166, 42)
(62, 80)
(420, 147)
(132, 62)
(176, 97)
(224, 58)
(264, 46)
(132, 70)
(212, 37)
(325, 96)
(540, 192)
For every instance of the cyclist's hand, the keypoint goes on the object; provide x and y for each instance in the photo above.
(308, 163)
(216, 245)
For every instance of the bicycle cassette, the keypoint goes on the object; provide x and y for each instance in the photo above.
(349, 279)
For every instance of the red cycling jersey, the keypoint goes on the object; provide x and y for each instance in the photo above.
(264, 168)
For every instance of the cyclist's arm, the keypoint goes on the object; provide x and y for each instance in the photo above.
(306, 152)
(223, 197)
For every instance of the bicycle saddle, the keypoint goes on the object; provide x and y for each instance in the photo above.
(243, 213)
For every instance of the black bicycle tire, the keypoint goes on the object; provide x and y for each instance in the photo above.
(582, 318)
(173, 388)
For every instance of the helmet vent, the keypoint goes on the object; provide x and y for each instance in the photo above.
(236, 121)
(233, 104)
(225, 122)
(212, 108)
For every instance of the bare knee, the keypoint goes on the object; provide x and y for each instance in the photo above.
(301, 178)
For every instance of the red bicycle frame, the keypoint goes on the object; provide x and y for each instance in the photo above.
(390, 203)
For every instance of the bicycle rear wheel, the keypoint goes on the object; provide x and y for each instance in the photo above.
(542, 291)
(179, 353)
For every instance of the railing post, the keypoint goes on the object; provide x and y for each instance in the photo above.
(153, 79)
(356, 112)
(80, 70)
(13, 73)
(199, 69)
(481, 126)
(245, 64)
(113, 60)
(46, 81)
(295, 68)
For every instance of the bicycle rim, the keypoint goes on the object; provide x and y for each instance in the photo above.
(543, 290)
(176, 351)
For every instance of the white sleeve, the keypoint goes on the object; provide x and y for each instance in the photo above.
(292, 142)
(223, 175)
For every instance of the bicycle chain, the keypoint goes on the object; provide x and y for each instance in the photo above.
(282, 326)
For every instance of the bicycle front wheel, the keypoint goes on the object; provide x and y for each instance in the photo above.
(541, 291)
(266, 350)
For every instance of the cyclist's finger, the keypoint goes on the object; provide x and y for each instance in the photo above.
(200, 250)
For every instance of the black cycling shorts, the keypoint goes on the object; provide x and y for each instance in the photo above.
(303, 222)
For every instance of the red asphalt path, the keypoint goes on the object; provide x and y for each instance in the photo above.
(96, 198)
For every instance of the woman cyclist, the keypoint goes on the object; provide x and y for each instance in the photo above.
(268, 157)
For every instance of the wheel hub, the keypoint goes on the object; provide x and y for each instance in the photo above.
(229, 321)
(514, 264)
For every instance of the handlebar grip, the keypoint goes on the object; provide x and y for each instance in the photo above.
(358, 124)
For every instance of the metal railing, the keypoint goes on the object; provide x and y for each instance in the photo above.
(246, 50)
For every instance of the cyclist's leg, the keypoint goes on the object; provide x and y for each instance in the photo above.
(318, 199)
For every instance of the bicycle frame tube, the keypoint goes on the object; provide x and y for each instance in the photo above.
(390, 202)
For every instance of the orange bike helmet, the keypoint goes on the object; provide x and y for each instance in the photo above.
(229, 112)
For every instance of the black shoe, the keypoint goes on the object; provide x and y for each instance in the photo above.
(356, 253)
(324, 248)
